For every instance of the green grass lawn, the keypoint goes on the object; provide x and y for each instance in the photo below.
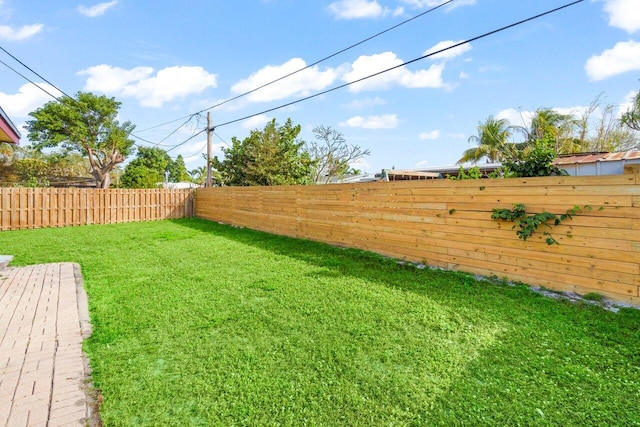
(197, 323)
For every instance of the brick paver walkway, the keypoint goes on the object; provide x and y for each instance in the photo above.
(43, 317)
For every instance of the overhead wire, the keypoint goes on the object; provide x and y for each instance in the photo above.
(29, 80)
(306, 67)
(328, 57)
(57, 98)
(484, 35)
(37, 74)
(187, 140)
(190, 117)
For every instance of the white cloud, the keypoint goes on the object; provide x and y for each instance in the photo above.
(401, 76)
(450, 53)
(577, 111)
(22, 33)
(624, 14)
(108, 79)
(361, 164)
(300, 84)
(422, 163)
(399, 11)
(359, 104)
(256, 122)
(423, 4)
(151, 90)
(387, 121)
(431, 135)
(516, 117)
(28, 99)
(356, 9)
(97, 10)
(523, 117)
(622, 58)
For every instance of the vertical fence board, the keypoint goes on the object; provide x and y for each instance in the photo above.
(22, 208)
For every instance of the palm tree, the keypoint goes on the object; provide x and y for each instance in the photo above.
(493, 142)
(199, 175)
(560, 129)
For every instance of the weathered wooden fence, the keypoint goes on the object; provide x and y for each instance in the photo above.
(22, 208)
(448, 224)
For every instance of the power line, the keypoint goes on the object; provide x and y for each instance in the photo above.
(220, 138)
(187, 140)
(29, 80)
(34, 72)
(73, 99)
(327, 57)
(404, 63)
(306, 67)
(190, 117)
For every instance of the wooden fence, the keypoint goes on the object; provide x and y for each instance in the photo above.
(22, 208)
(448, 224)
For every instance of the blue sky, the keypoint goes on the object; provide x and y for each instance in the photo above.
(168, 59)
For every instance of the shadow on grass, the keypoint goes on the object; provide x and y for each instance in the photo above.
(551, 363)
(453, 287)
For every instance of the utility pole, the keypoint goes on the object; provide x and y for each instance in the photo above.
(209, 148)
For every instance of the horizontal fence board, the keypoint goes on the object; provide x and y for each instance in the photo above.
(507, 270)
(25, 208)
(448, 224)
(590, 263)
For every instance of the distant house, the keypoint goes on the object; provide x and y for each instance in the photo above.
(8, 131)
(179, 185)
(597, 163)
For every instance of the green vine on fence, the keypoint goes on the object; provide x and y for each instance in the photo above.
(529, 223)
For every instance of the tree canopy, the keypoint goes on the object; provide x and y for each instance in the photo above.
(271, 156)
(88, 125)
(32, 168)
(151, 167)
(178, 170)
(596, 129)
(147, 169)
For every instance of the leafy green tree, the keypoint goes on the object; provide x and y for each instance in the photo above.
(30, 167)
(138, 176)
(88, 125)
(178, 170)
(538, 161)
(272, 156)
(493, 142)
(147, 170)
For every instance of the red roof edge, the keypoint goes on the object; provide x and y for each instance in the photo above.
(7, 127)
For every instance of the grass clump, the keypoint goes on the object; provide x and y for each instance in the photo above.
(196, 323)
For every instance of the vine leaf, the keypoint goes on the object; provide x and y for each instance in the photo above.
(528, 224)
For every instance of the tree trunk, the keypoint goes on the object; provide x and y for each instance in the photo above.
(102, 180)
(106, 181)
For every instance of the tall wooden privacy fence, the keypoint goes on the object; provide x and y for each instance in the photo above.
(22, 208)
(448, 224)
